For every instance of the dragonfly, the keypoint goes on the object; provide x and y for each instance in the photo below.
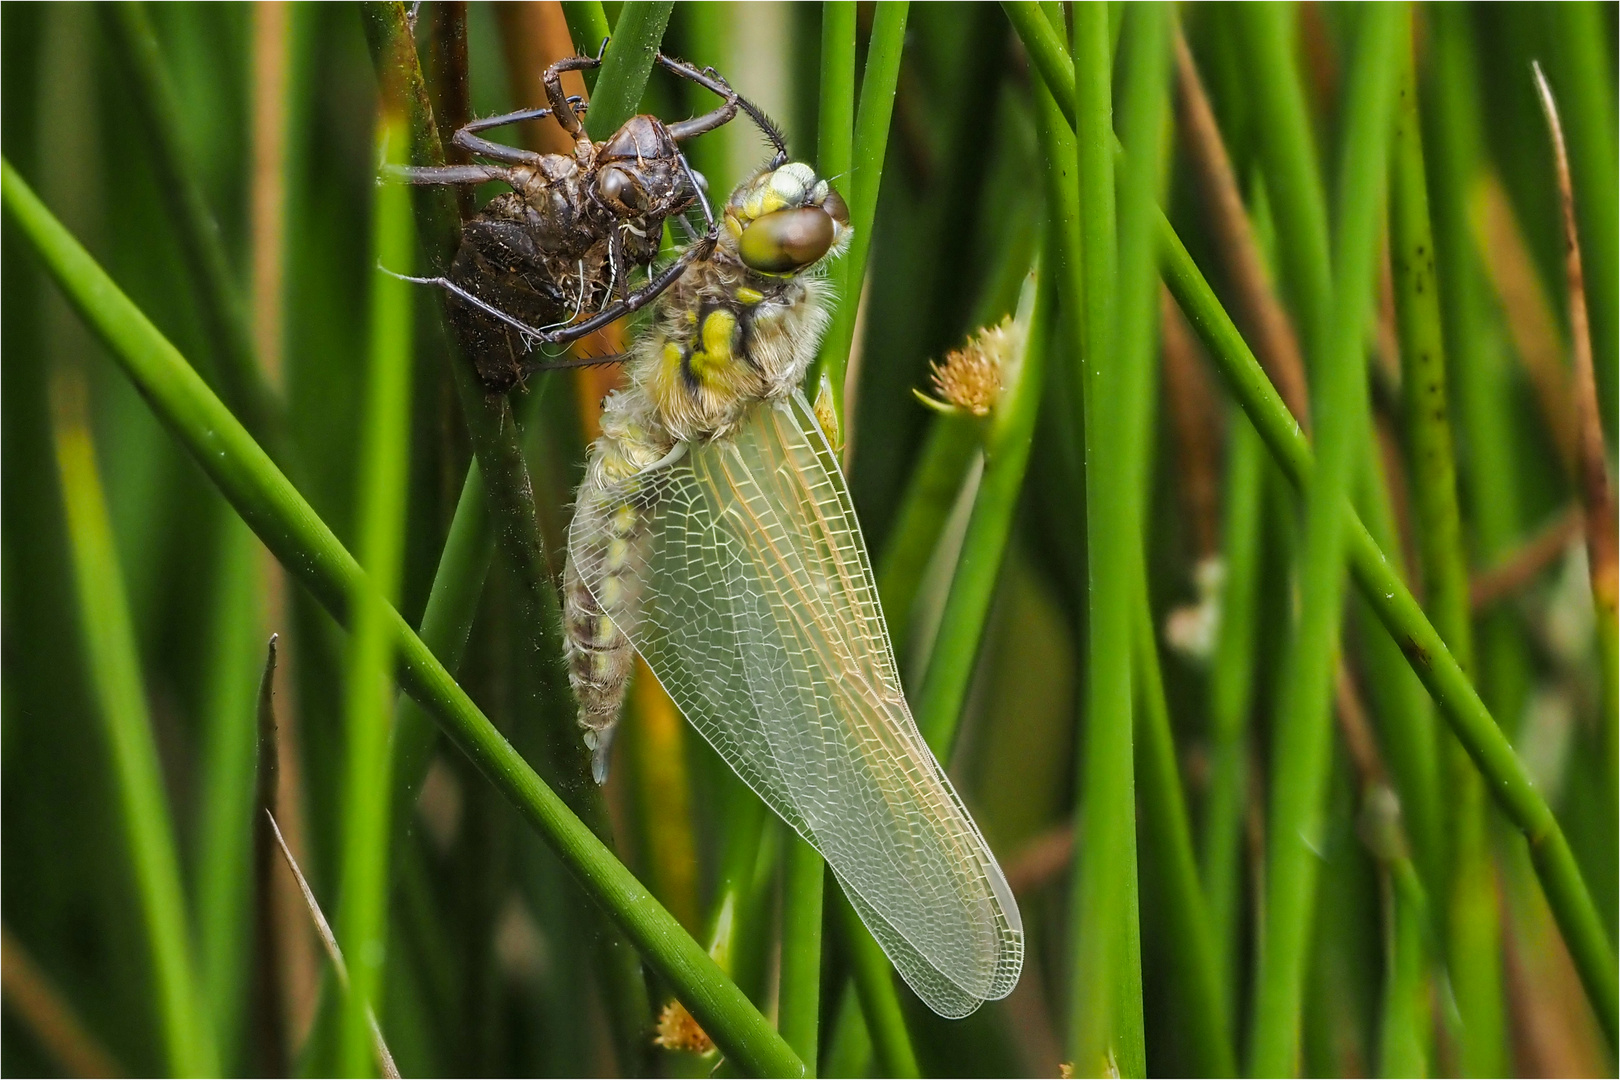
(550, 260)
(714, 534)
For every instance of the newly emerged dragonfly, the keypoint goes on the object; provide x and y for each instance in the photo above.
(714, 534)
(551, 260)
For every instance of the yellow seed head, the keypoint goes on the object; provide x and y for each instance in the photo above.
(970, 378)
(678, 1031)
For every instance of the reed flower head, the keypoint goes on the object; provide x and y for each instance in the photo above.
(678, 1031)
(970, 378)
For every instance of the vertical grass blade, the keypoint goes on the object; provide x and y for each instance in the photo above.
(109, 644)
(799, 1000)
(363, 906)
(1303, 741)
(1007, 437)
(304, 544)
(860, 190)
(224, 858)
(1583, 78)
(1473, 931)
(1105, 1026)
(241, 379)
(1596, 490)
(625, 67)
(804, 871)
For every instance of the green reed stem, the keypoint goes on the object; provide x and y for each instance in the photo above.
(304, 544)
(225, 826)
(219, 297)
(1282, 126)
(115, 672)
(625, 67)
(446, 622)
(1117, 323)
(384, 467)
(1231, 700)
(835, 120)
(1204, 1014)
(1303, 739)
(799, 1002)
(860, 190)
(874, 984)
(804, 871)
(1007, 437)
(1473, 945)
(1585, 88)
(587, 24)
(1403, 619)
(925, 506)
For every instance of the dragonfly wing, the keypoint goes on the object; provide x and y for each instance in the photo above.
(757, 610)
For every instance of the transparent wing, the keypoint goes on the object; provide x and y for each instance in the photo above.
(756, 608)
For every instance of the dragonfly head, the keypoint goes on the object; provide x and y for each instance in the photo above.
(786, 220)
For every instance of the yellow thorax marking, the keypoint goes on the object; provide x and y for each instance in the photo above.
(745, 295)
(714, 337)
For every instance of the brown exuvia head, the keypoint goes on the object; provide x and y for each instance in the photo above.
(639, 172)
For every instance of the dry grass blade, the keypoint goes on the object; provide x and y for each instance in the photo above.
(1262, 317)
(385, 1060)
(1526, 563)
(40, 1006)
(271, 948)
(1592, 471)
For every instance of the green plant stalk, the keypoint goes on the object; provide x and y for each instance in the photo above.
(1473, 934)
(803, 870)
(109, 644)
(849, 1053)
(1403, 619)
(1117, 290)
(219, 301)
(224, 859)
(1203, 1013)
(925, 506)
(860, 191)
(835, 120)
(1302, 746)
(446, 622)
(625, 67)
(870, 969)
(1288, 153)
(305, 545)
(1231, 699)
(587, 24)
(1403, 1030)
(384, 468)
(512, 509)
(799, 1001)
(1007, 437)
(1586, 100)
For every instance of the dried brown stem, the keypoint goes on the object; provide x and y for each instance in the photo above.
(1529, 313)
(34, 1000)
(270, 954)
(385, 1059)
(1189, 399)
(1258, 312)
(1042, 859)
(1526, 563)
(1592, 470)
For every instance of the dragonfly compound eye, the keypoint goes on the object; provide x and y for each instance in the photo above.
(787, 240)
(620, 191)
